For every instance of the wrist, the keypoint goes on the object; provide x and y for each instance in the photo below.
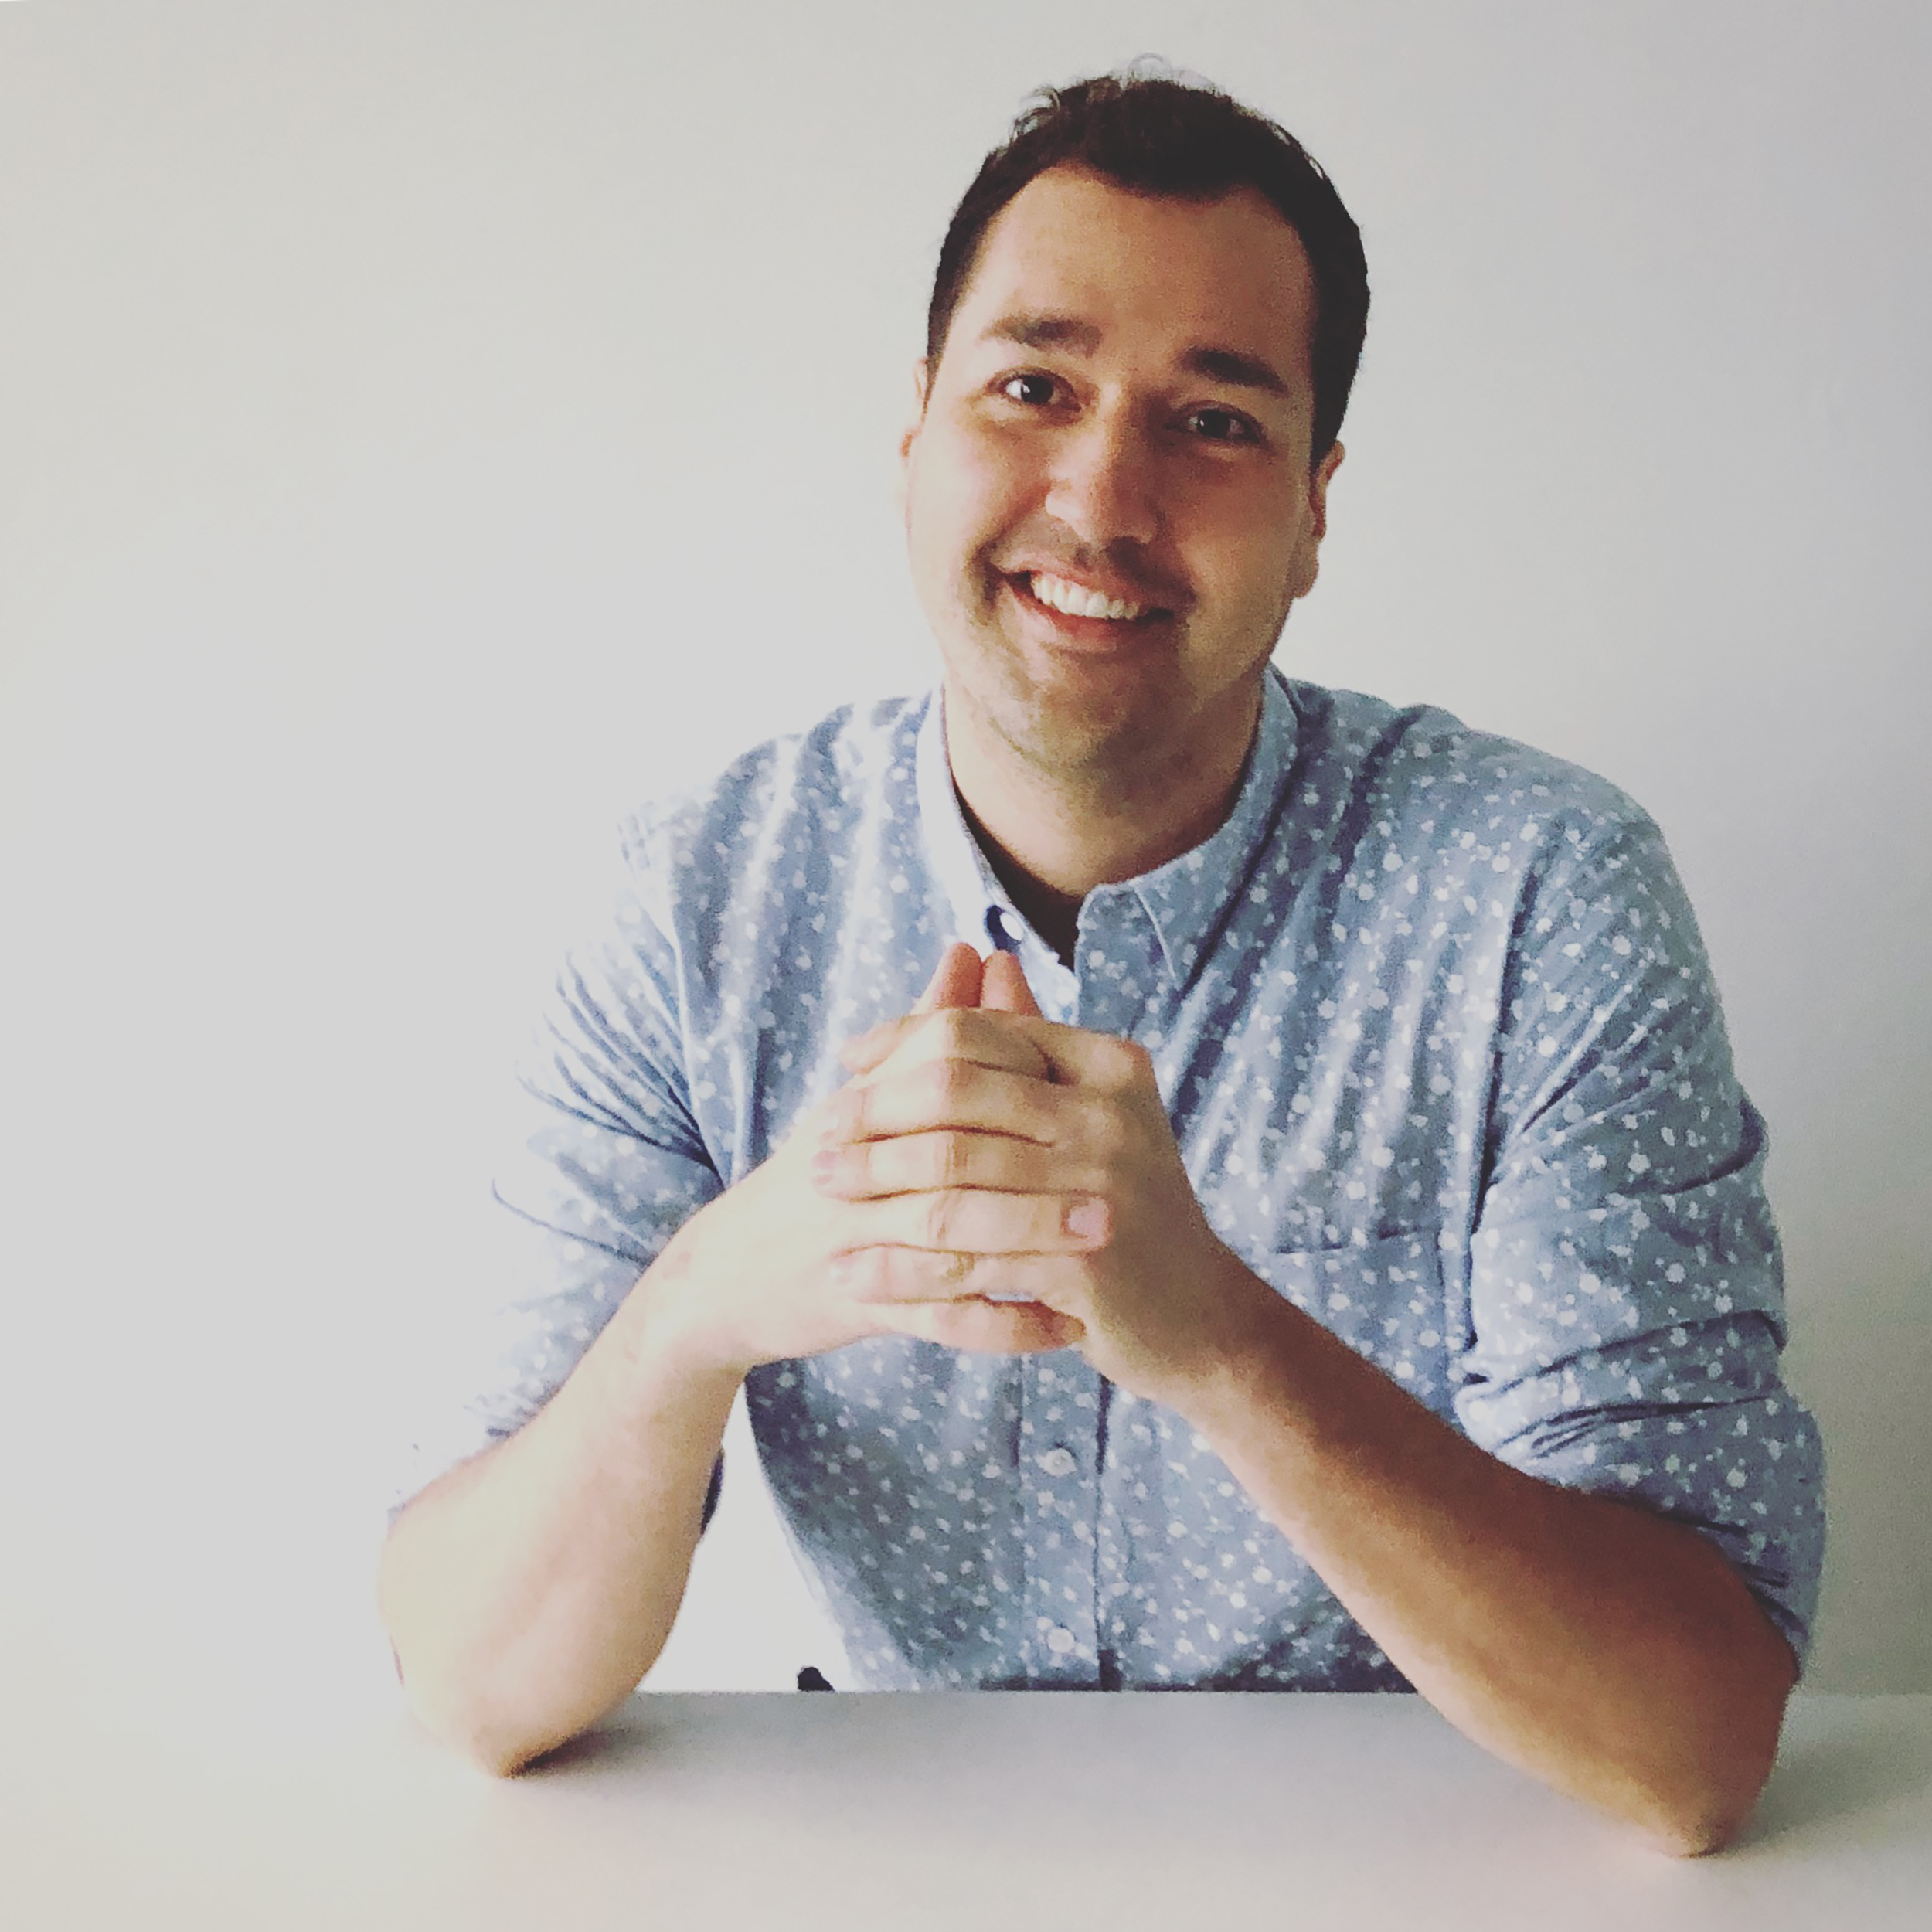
(1220, 1376)
(674, 1319)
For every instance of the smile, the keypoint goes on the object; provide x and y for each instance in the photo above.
(1074, 601)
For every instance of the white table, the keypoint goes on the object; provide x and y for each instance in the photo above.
(1072, 1812)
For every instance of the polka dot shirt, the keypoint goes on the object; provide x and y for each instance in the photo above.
(1445, 1063)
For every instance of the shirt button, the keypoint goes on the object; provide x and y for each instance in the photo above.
(1057, 1462)
(1059, 1641)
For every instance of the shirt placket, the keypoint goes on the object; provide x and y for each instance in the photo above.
(1063, 1420)
(1058, 1454)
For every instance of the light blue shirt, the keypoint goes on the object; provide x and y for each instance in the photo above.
(1441, 1050)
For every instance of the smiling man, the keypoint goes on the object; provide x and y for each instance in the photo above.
(1320, 1247)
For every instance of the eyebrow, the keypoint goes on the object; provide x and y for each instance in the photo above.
(1231, 365)
(1045, 331)
(1234, 366)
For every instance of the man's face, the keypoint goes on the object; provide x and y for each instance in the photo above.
(1119, 423)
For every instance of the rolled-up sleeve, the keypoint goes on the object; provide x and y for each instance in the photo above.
(605, 1163)
(1626, 1307)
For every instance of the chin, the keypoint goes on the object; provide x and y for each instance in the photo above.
(1073, 736)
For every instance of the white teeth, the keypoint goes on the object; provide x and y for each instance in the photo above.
(1077, 602)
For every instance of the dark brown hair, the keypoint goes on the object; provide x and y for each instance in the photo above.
(1156, 135)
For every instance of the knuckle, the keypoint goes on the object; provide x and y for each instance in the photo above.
(857, 1272)
(957, 1079)
(953, 1325)
(1105, 1135)
(949, 1160)
(939, 1217)
(913, 1163)
(951, 1027)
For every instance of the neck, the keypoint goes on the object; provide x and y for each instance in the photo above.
(1052, 833)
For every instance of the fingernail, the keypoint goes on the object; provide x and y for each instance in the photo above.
(825, 1163)
(1087, 1219)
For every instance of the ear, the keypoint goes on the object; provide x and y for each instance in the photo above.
(1318, 484)
(922, 386)
(1307, 560)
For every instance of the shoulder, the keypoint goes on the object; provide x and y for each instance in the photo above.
(1424, 778)
(791, 791)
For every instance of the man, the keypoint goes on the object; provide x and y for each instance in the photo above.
(1357, 1278)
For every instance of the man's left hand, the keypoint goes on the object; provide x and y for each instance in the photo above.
(1162, 1305)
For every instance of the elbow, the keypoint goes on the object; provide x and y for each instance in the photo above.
(1704, 1802)
(501, 1723)
(499, 1759)
(1694, 1820)
(1698, 1834)
(491, 1747)
(465, 1726)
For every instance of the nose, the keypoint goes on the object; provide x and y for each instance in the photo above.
(1103, 487)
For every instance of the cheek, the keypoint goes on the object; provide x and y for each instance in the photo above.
(1294, 543)
(943, 535)
(1252, 553)
(961, 496)
(935, 492)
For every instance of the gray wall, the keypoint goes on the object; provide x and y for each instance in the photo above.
(425, 428)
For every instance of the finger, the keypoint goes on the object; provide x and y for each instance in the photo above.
(865, 1051)
(1003, 987)
(946, 1094)
(1071, 1056)
(978, 1221)
(919, 1163)
(970, 1033)
(955, 983)
(899, 1275)
(986, 1328)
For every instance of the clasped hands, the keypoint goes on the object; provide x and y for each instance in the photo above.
(988, 1180)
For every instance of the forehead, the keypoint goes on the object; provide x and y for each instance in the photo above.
(1146, 271)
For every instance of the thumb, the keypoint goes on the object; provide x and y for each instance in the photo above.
(957, 982)
(1004, 988)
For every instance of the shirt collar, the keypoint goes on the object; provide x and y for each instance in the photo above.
(1185, 900)
(968, 882)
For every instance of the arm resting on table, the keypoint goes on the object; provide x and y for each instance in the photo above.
(1615, 1655)
(527, 1591)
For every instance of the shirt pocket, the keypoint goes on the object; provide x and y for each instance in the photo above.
(1383, 1298)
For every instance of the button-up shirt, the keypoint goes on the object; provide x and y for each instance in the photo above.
(1442, 1056)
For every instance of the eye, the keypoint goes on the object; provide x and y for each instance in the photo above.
(1215, 425)
(1029, 387)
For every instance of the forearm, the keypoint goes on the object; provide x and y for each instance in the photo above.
(527, 1591)
(1613, 1654)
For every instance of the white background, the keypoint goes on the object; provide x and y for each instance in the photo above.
(426, 429)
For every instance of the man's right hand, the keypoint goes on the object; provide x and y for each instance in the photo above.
(750, 1279)
(528, 1589)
